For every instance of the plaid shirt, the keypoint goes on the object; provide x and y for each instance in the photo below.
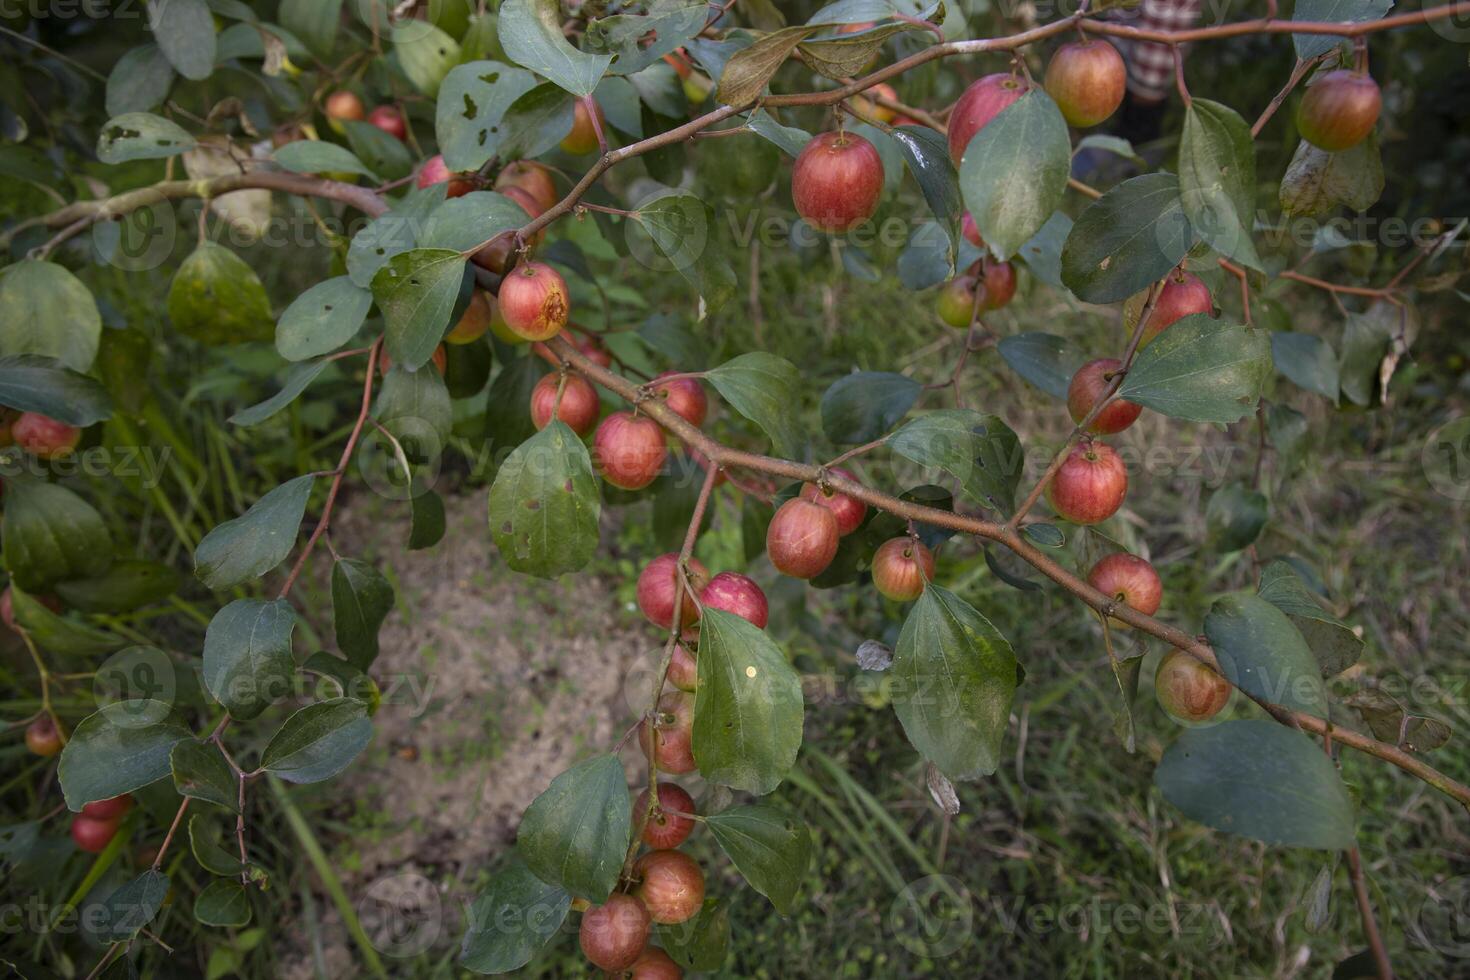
(1151, 65)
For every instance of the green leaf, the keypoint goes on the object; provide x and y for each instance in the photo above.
(763, 388)
(124, 587)
(1043, 253)
(464, 223)
(415, 407)
(132, 906)
(184, 30)
(1044, 359)
(426, 54)
(361, 600)
(1365, 341)
(545, 504)
(1217, 179)
(201, 773)
(980, 451)
(701, 943)
(625, 36)
(318, 741)
(789, 139)
(748, 706)
(247, 655)
(255, 542)
(391, 234)
(512, 919)
(141, 136)
(33, 383)
(222, 903)
(1309, 46)
(1235, 517)
(1331, 641)
(322, 319)
(1127, 239)
(926, 152)
(50, 534)
(1317, 182)
(683, 228)
(748, 70)
(467, 368)
(472, 102)
(62, 636)
(1307, 361)
(1201, 370)
(768, 846)
(428, 521)
(1261, 652)
(320, 157)
(139, 81)
(1014, 172)
(385, 153)
(316, 22)
(204, 843)
(576, 833)
(298, 379)
(955, 678)
(862, 406)
(121, 747)
(537, 121)
(349, 678)
(417, 291)
(46, 310)
(530, 32)
(216, 298)
(1260, 780)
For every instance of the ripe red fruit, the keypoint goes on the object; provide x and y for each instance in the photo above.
(440, 360)
(849, 511)
(92, 835)
(684, 395)
(867, 105)
(475, 321)
(999, 280)
(343, 105)
(594, 351)
(657, 584)
(583, 137)
(580, 406)
(436, 171)
(389, 120)
(1184, 294)
(629, 450)
(43, 437)
(109, 809)
(901, 566)
(683, 669)
(1339, 110)
(495, 254)
(672, 888)
(532, 178)
(1088, 385)
(1130, 580)
(971, 231)
(802, 538)
(738, 595)
(1087, 80)
(836, 181)
(533, 301)
(655, 964)
(1188, 689)
(956, 304)
(673, 733)
(613, 935)
(42, 738)
(664, 828)
(1090, 485)
(980, 103)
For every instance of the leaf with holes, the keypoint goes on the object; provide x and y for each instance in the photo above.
(980, 451)
(530, 31)
(544, 504)
(417, 291)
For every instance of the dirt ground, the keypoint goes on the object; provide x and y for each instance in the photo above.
(492, 683)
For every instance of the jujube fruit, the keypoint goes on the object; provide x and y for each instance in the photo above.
(436, 171)
(1339, 110)
(657, 584)
(475, 321)
(1130, 580)
(389, 120)
(1188, 689)
(1090, 485)
(672, 888)
(1087, 80)
(629, 450)
(685, 396)
(42, 738)
(92, 835)
(672, 733)
(533, 301)
(836, 181)
(1088, 385)
(1184, 294)
(109, 809)
(981, 102)
(849, 511)
(738, 595)
(613, 935)
(44, 437)
(901, 566)
(665, 829)
(802, 538)
(579, 408)
(655, 964)
(530, 177)
(683, 669)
